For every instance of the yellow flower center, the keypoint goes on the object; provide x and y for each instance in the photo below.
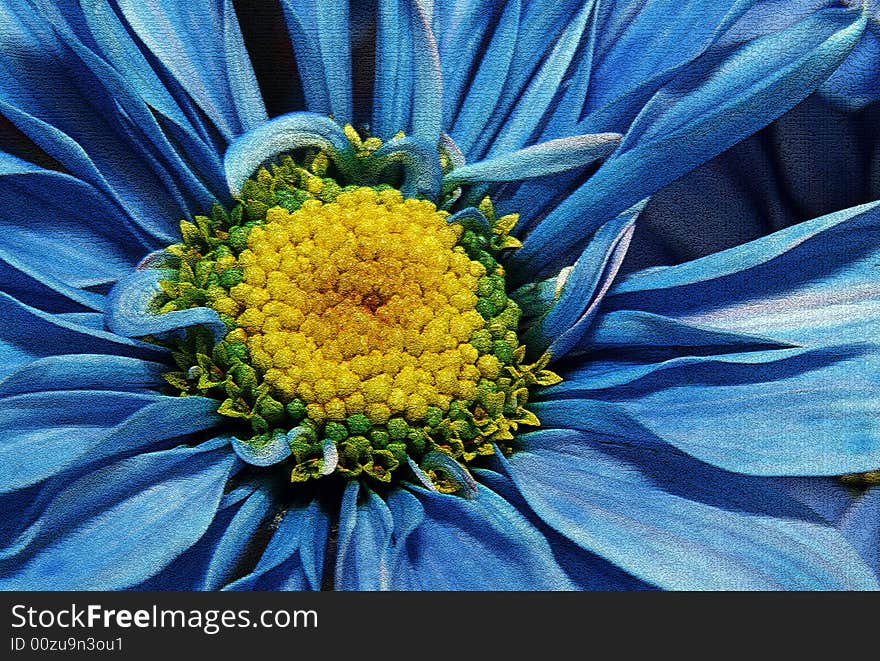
(361, 306)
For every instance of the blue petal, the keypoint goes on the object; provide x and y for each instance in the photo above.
(813, 283)
(62, 232)
(527, 116)
(826, 496)
(84, 372)
(587, 570)
(130, 310)
(510, 67)
(320, 39)
(220, 79)
(444, 542)
(407, 90)
(294, 557)
(861, 526)
(283, 134)
(28, 333)
(787, 412)
(706, 108)
(856, 84)
(364, 547)
(461, 28)
(538, 160)
(94, 127)
(164, 502)
(273, 452)
(421, 165)
(46, 433)
(676, 523)
(665, 33)
(212, 561)
(569, 318)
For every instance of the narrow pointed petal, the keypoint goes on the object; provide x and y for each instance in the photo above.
(63, 232)
(590, 279)
(538, 160)
(211, 562)
(28, 333)
(221, 80)
(364, 547)
(320, 38)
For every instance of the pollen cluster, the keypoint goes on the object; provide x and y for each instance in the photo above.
(362, 306)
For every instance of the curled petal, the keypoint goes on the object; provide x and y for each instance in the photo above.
(130, 312)
(421, 165)
(282, 134)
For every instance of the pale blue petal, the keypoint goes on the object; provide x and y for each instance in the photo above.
(283, 134)
(130, 309)
(538, 160)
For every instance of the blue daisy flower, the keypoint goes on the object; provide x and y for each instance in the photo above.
(220, 372)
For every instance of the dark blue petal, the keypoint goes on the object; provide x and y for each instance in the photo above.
(826, 496)
(294, 557)
(861, 526)
(674, 522)
(163, 502)
(856, 83)
(710, 105)
(444, 542)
